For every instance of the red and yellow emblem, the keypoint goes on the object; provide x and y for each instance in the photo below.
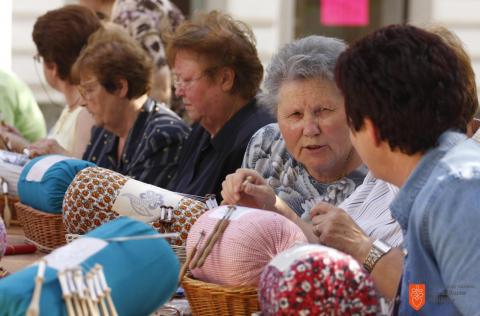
(416, 296)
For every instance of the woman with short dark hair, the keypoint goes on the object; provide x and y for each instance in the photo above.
(408, 128)
(137, 137)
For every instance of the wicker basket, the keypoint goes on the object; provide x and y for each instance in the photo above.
(211, 299)
(44, 230)
(11, 202)
(181, 253)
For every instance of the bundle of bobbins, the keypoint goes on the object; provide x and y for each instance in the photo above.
(227, 248)
(87, 276)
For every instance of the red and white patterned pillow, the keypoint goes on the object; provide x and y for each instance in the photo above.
(316, 280)
(91, 200)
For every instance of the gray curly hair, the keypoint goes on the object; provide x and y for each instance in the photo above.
(309, 57)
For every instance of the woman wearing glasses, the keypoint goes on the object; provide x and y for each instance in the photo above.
(217, 75)
(59, 35)
(136, 136)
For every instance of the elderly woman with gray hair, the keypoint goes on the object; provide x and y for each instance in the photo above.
(306, 164)
(306, 157)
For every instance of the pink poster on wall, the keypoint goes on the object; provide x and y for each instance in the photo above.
(344, 12)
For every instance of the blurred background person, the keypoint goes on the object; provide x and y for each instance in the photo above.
(103, 8)
(19, 112)
(59, 35)
(217, 74)
(148, 21)
(454, 42)
(137, 136)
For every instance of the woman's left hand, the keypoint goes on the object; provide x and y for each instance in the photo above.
(336, 229)
(45, 147)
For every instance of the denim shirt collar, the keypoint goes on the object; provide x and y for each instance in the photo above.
(403, 202)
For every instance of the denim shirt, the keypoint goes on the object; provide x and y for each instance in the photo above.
(438, 209)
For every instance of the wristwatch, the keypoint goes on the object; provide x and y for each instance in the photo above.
(378, 250)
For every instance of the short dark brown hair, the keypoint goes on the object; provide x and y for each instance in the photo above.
(408, 82)
(60, 35)
(224, 42)
(112, 54)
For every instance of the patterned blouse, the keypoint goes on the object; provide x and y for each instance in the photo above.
(148, 21)
(151, 150)
(267, 154)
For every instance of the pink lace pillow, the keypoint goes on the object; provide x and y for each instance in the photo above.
(252, 238)
(316, 280)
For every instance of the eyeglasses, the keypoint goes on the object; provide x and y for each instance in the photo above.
(86, 89)
(180, 83)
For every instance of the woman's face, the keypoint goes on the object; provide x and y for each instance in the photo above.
(99, 102)
(311, 117)
(199, 93)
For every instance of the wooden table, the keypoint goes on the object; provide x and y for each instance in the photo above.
(14, 263)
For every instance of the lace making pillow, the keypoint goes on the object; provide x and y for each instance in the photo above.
(44, 180)
(252, 238)
(316, 280)
(98, 195)
(142, 274)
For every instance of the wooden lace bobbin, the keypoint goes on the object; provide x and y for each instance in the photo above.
(107, 290)
(34, 307)
(218, 230)
(93, 296)
(67, 296)
(74, 292)
(80, 285)
(100, 293)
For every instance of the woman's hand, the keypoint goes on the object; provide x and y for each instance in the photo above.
(4, 127)
(247, 187)
(45, 147)
(13, 141)
(336, 229)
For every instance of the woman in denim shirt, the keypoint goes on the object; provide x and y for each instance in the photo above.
(406, 129)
